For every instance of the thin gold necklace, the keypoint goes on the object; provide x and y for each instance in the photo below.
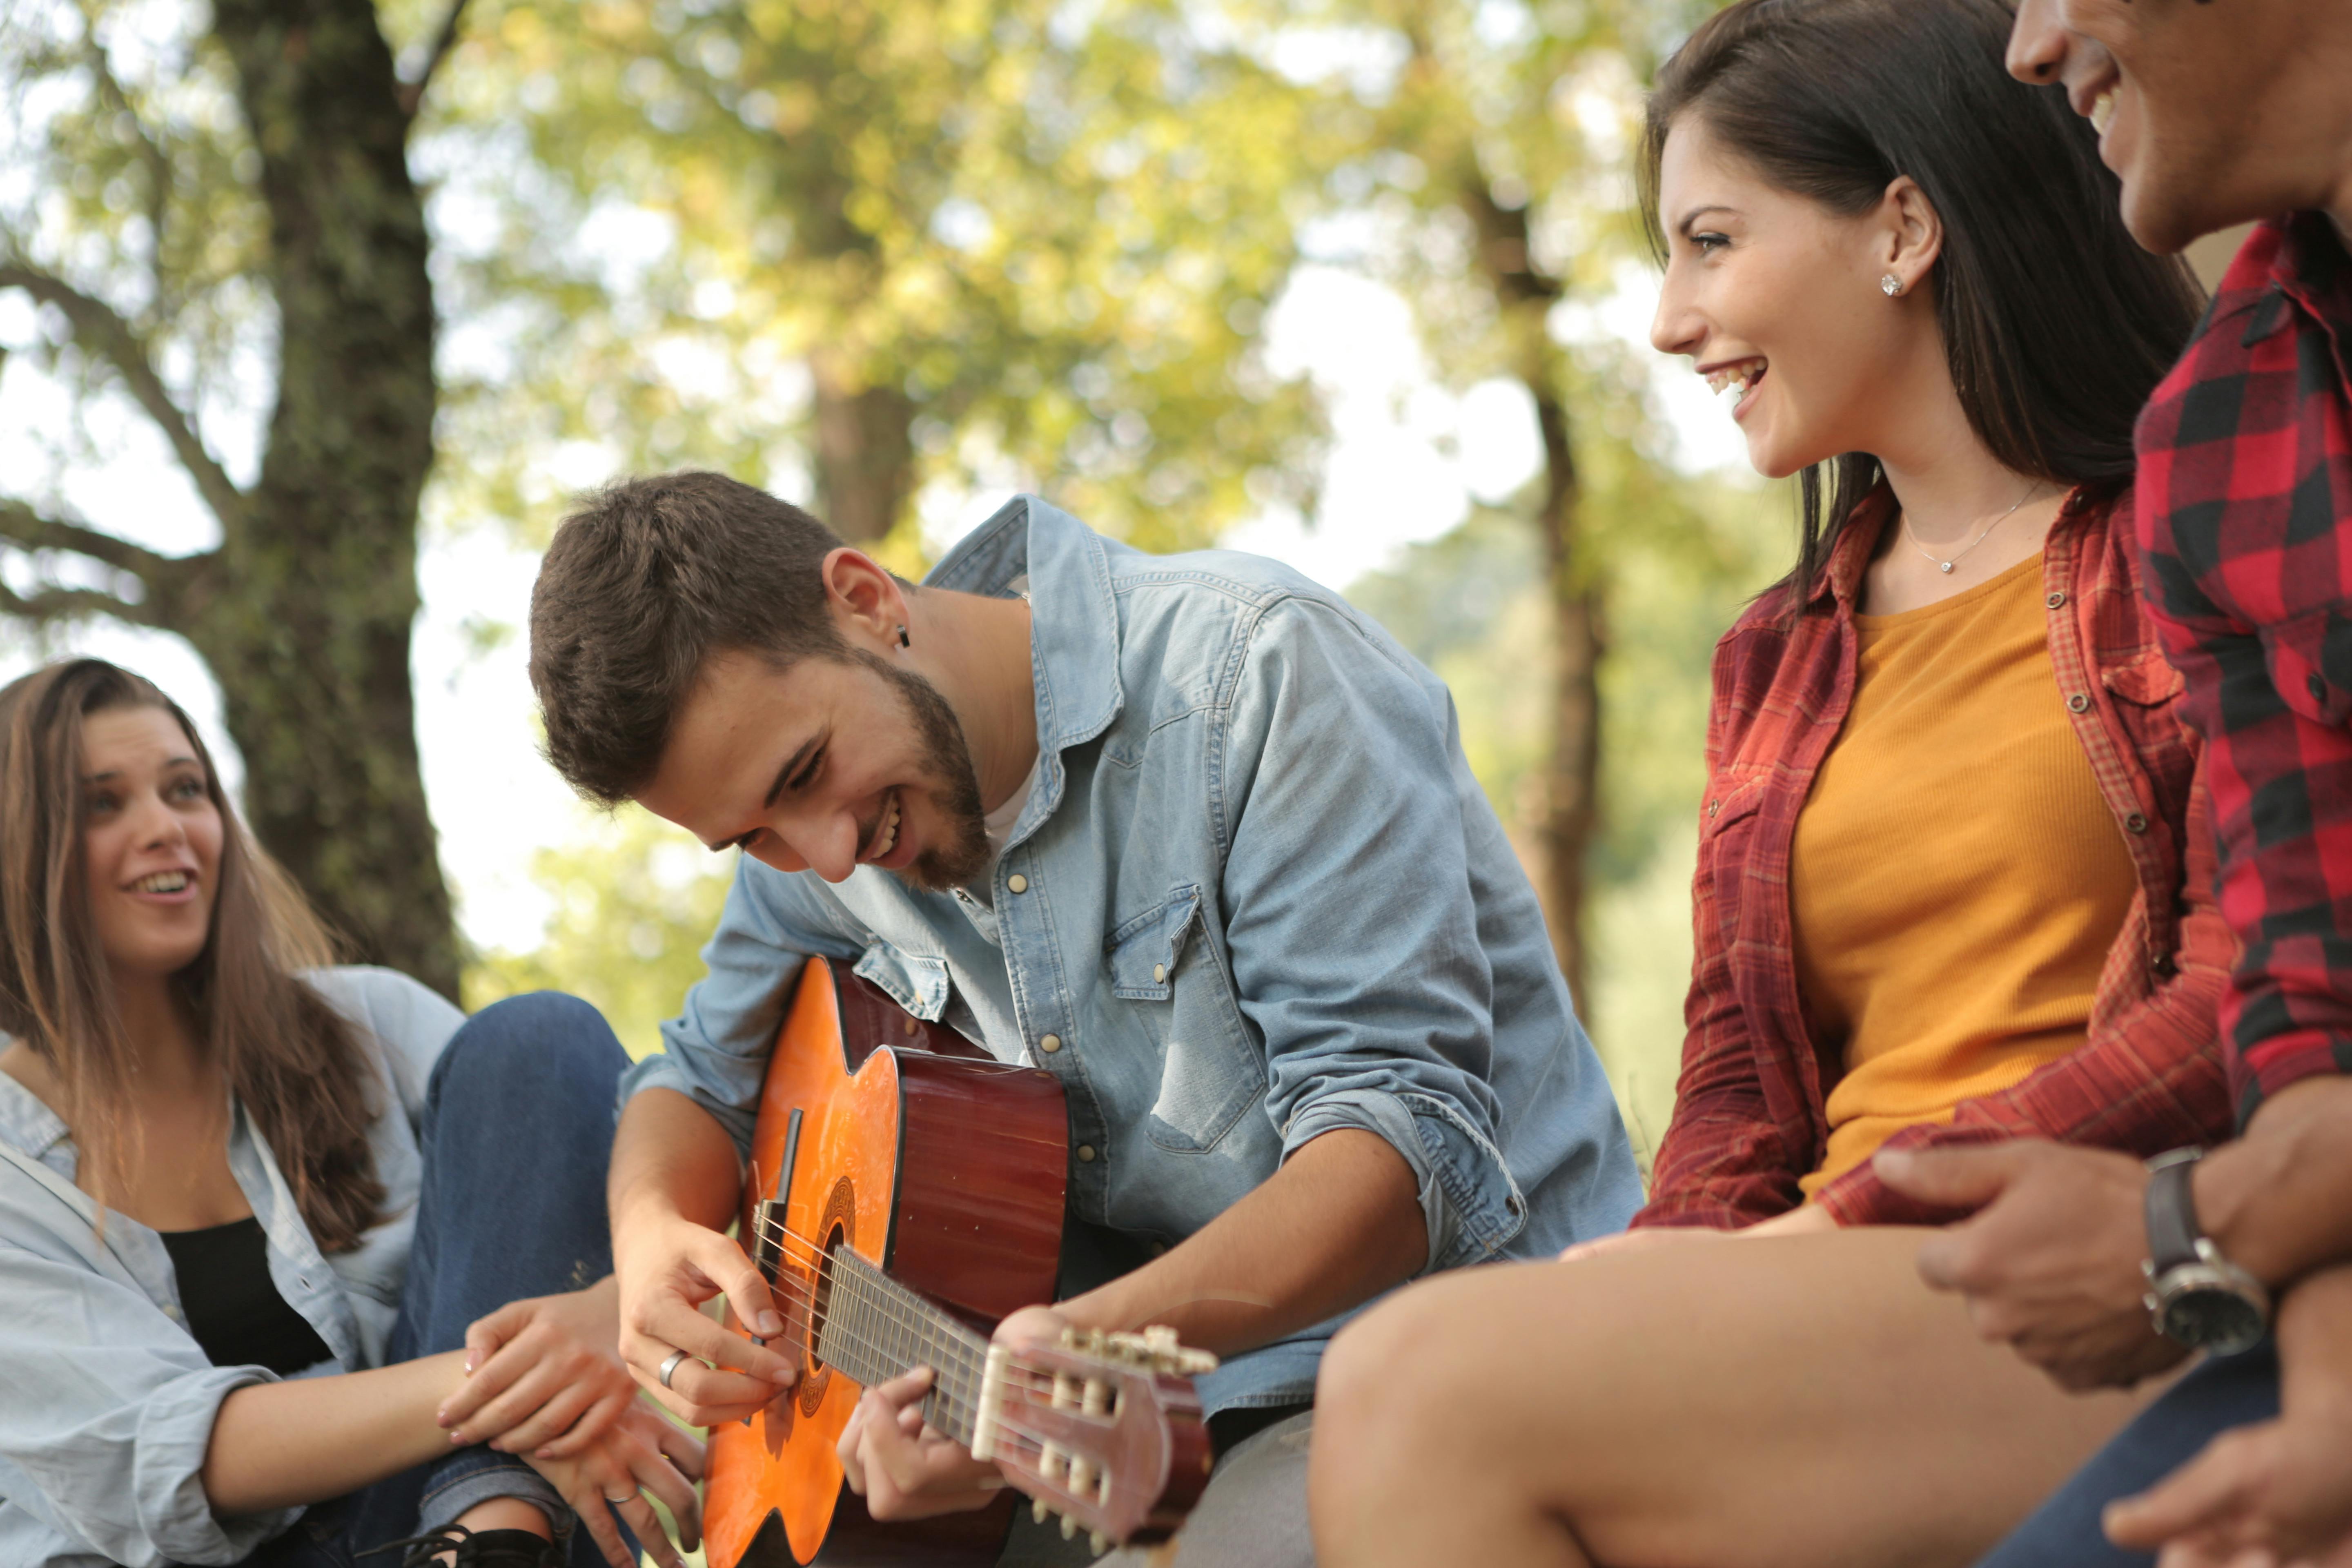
(1945, 566)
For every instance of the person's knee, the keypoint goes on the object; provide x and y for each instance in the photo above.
(1380, 1393)
(534, 1043)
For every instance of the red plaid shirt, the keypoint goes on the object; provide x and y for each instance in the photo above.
(2245, 468)
(1749, 1119)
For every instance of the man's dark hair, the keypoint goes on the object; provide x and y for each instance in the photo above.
(646, 579)
(2056, 324)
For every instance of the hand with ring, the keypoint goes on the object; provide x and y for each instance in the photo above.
(705, 1373)
(635, 1460)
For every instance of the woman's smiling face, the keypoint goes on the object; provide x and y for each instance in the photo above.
(150, 840)
(1777, 301)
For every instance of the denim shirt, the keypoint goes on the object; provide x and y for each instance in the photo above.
(1255, 895)
(109, 1402)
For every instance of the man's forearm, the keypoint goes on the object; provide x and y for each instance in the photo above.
(2314, 1343)
(2278, 1200)
(1340, 1223)
(671, 1157)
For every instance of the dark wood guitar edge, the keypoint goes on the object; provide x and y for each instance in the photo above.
(1005, 1184)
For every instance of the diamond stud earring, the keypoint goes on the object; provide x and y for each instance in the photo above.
(1891, 285)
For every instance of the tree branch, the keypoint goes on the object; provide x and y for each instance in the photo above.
(151, 152)
(26, 529)
(66, 604)
(412, 94)
(100, 328)
(1504, 247)
(168, 581)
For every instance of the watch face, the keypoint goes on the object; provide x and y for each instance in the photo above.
(2213, 1319)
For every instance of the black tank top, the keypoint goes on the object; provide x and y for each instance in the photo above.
(233, 1306)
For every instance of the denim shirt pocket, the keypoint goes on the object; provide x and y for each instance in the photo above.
(1166, 971)
(2310, 660)
(918, 984)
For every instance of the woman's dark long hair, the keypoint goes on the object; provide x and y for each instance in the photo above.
(2056, 324)
(290, 1059)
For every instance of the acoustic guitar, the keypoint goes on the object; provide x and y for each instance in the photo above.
(905, 1193)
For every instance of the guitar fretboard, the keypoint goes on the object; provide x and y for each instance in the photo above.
(875, 1329)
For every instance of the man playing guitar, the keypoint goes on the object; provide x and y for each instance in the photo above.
(1186, 832)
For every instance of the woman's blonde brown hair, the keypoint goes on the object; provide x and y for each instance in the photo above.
(291, 1060)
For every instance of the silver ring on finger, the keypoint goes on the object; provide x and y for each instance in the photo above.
(625, 1497)
(669, 1367)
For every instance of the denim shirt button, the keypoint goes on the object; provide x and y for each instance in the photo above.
(1159, 975)
(173, 1313)
(1085, 1153)
(1017, 882)
(1050, 1044)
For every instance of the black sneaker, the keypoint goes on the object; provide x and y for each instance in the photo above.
(476, 1549)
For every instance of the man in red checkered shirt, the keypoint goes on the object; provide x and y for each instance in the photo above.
(2215, 112)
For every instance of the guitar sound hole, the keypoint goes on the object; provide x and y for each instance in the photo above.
(822, 1304)
(838, 1230)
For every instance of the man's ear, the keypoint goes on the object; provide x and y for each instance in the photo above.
(867, 601)
(1912, 232)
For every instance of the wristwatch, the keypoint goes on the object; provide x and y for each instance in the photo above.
(2196, 1297)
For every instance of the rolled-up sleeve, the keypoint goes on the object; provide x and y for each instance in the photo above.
(108, 1417)
(1339, 778)
(716, 1051)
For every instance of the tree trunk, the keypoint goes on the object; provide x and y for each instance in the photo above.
(864, 452)
(1571, 790)
(306, 623)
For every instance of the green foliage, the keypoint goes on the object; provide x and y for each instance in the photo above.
(635, 899)
(1037, 239)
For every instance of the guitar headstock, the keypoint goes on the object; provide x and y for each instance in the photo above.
(1105, 1430)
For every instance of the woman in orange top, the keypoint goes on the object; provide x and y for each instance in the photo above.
(1949, 884)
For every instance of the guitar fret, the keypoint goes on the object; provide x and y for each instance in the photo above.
(876, 1329)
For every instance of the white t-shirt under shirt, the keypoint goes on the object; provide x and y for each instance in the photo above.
(998, 824)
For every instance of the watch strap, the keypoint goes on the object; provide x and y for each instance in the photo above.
(2172, 1227)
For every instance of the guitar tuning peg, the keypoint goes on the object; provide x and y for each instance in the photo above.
(1069, 1527)
(1098, 1542)
(1038, 1511)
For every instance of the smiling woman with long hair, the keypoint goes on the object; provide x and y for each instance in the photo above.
(258, 1309)
(1954, 884)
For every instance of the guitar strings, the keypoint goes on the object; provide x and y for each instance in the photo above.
(1021, 1444)
(953, 1386)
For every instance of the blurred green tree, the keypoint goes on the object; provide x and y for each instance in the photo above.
(226, 204)
(1493, 165)
(929, 239)
(634, 900)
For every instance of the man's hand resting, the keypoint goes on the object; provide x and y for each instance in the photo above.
(2049, 1260)
(667, 1267)
(2277, 1494)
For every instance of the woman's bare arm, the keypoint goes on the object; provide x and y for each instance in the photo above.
(276, 1445)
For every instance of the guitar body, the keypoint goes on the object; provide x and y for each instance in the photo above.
(901, 1140)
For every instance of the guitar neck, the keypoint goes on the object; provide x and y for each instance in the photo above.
(875, 1329)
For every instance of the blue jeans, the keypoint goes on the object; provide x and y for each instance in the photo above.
(2226, 1392)
(518, 1133)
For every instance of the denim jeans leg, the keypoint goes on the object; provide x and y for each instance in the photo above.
(517, 1134)
(2064, 1533)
